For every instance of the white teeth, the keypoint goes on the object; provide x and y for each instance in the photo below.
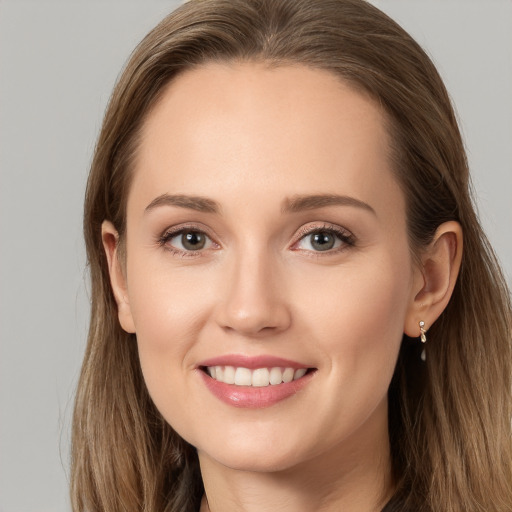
(288, 375)
(243, 377)
(299, 373)
(260, 377)
(229, 375)
(276, 376)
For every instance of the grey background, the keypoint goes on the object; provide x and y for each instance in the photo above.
(58, 63)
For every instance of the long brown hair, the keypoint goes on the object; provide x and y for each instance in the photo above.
(449, 418)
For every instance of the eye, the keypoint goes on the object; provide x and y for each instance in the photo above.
(324, 239)
(186, 240)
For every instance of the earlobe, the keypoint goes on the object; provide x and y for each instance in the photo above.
(440, 265)
(110, 238)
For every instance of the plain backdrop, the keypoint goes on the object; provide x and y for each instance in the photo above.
(58, 63)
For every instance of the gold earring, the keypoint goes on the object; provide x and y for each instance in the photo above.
(423, 338)
(423, 332)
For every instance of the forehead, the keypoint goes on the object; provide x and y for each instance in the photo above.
(235, 129)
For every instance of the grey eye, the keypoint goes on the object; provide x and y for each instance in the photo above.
(193, 240)
(322, 241)
(189, 241)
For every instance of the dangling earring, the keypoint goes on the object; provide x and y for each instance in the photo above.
(423, 338)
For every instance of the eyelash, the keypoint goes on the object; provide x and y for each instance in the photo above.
(173, 232)
(347, 239)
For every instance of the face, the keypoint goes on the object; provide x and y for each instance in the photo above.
(268, 274)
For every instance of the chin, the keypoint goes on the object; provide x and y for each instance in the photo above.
(255, 463)
(254, 457)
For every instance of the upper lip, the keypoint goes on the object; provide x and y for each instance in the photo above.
(252, 362)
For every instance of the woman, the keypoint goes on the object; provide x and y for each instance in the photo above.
(293, 304)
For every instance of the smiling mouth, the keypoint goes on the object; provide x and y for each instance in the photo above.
(258, 377)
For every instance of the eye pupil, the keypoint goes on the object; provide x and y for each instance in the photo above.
(193, 240)
(322, 241)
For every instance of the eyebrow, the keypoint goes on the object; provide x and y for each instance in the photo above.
(200, 204)
(311, 202)
(292, 205)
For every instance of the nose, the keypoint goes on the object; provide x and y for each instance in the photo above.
(254, 301)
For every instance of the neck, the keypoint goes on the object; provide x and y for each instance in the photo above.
(353, 476)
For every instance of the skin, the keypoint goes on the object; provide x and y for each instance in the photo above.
(253, 139)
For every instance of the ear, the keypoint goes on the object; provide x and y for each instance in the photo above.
(110, 238)
(435, 277)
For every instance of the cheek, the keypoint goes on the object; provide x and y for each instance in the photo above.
(168, 310)
(165, 298)
(358, 316)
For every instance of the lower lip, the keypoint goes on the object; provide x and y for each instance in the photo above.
(254, 397)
